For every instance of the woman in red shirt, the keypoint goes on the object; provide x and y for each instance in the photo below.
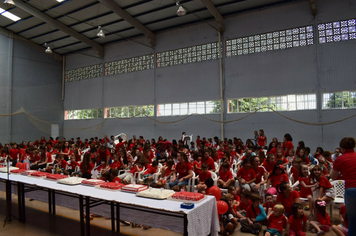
(346, 165)
(183, 171)
(287, 143)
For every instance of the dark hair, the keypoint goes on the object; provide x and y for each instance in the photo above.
(209, 182)
(254, 197)
(246, 160)
(114, 172)
(347, 143)
(246, 194)
(276, 167)
(301, 143)
(321, 209)
(268, 195)
(204, 165)
(288, 137)
(226, 165)
(281, 187)
(295, 208)
(307, 149)
(321, 150)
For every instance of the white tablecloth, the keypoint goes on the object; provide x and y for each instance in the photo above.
(202, 219)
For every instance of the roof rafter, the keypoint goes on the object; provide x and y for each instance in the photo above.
(218, 17)
(131, 20)
(49, 20)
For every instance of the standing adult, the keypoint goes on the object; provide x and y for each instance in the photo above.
(346, 165)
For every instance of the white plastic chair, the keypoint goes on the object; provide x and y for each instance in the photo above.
(339, 189)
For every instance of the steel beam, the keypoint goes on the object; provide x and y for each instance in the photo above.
(49, 20)
(131, 20)
(218, 17)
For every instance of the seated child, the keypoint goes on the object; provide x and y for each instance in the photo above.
(255, 215)
(151, 169)
(245, 202)
(128, 177)
(323, 223)
(297, 222)
(102, 167)
(202, 176)
(268, 205)
(343, 228)
(276, 220)
(73, 164)
(228, 222)
(246, 176)
(225, 176)
(116, 164)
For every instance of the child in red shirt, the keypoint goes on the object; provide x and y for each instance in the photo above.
(268, 205)
(343, 228)
(294, 170)
(225, 176)
(323, 223)
(197, 165)
(204, 174)
(245, 202)
(326, 190)
(114, 174)
(276, 220)
(269, 162)
(277, 176)
(297, 222)
(305, 187)
(246, 176)
(251, 224)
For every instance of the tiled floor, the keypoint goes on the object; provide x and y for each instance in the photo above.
(66, 222)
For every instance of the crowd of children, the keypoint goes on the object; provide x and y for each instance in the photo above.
(229, 163)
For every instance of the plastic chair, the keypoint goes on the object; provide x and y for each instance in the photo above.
(339, 189)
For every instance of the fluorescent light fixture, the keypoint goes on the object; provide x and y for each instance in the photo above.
(60, 0)
(9, 15)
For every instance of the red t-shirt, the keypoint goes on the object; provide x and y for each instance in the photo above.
(276, 222)
(323, 220)
(250, 213)
(261, 141)
(150, 170)
(225, 175)
(198, 164)
(287, 202)
(269, 206)
(285, 160)
(210, 162)
(116, 179)
(305, 192)
(115, 165)
(277, 179)
(246, 174)
(288, 145)
(244, 206)
(295, 173)
(13, 153)
(103, 155)
(73, 164)
(64, 164)
(343, 213)
(259, 173)
(269, 166)
(297, 224)
(203, 176)
(324, 182)
(182, 170)
(346, 164)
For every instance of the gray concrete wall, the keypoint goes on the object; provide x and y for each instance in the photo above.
(31, 80)
(312, 69)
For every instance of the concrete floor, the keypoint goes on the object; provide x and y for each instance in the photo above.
(66, 222)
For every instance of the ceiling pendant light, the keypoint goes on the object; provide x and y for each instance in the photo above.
(100, 34)
(48, 49)
(9, 3)
(181, 11)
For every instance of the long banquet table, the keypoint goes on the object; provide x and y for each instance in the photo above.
(201, 220)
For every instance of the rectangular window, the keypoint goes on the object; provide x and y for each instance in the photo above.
(84, 114)
(280, 103)
(339, 100)
(175, 109)
(130, 111)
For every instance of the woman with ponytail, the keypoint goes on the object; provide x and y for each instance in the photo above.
(287, 197)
